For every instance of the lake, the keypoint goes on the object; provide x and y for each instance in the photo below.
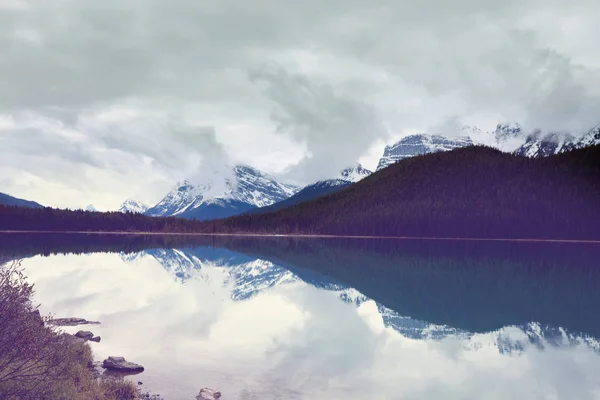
(285, 318)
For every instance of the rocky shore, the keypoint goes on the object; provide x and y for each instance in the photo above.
(117, 367)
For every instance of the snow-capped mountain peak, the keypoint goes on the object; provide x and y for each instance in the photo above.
(542, 145)
(222, 196)
(134, 206)
(591, 138)
(477, 135)
(259, 189)
(508, 136)
(355, 174)
(90, 208)
(419, 144)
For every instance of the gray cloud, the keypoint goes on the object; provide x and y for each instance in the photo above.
(344, 71)
(335, 128)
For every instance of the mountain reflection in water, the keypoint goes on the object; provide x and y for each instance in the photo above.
(291, 318)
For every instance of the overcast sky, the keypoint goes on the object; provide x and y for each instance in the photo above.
(109, 99)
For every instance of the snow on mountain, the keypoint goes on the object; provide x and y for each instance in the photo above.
(477, 136)
(591, 138)
(354, 174)
(318, 189)
(248, 189)
(182, 197)
(544, 145)
(415, 145)
(90, 208)
(516, 339)
(329, 183)
(508, 137)
(259, 189)
(133, 206)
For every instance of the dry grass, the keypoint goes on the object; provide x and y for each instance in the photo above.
(36, 362)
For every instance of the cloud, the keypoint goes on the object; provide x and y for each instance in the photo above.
(335, 128)
(131, 153)
(341, 77)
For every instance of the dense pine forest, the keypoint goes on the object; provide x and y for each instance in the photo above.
(14, 218)
(469, 192)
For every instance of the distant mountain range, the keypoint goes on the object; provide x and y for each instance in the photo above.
(508, 138)
(539, 145)
(13, 201)
(469, 192)
(254, 192)
(251, 191)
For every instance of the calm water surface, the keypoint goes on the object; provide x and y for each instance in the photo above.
(324, 319)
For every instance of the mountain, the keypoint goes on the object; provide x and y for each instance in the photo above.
(468, 192)
(133, 206)
(415, 145)
(310, 192)
(508, 137)
(544, 145)
(13, 201)
(590, 139)
(354, 174)
(90, 208)
(248, 189)
(540, 144)
(319, 189)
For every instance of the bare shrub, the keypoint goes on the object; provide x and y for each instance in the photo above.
(37, 362)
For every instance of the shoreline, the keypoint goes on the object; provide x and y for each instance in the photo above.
(309, 236)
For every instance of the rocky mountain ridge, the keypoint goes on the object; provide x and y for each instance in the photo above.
(248, 188)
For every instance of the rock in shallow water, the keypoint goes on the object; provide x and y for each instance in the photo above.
(121, 365)
(208, 394)
(71, 338)
(87, 335)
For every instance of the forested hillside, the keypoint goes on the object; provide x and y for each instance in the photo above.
(470, 192)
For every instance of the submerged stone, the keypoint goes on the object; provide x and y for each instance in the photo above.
(87, 335)
(208, 394)
(121, 365)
